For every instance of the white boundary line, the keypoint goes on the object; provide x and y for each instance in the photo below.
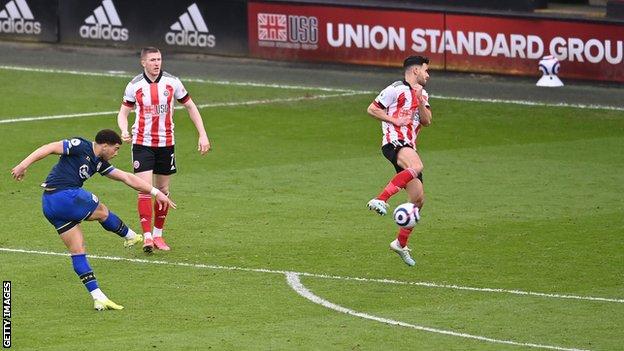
(216, 104)
(299, 87)
(295, 283)
(119, 74)
(325, 276)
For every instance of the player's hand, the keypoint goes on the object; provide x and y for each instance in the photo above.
(126, 137)
(203, 145)
(404, 118)
(18, 172)
(164, 201)
(402, 121)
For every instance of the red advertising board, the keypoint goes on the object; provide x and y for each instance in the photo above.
(337, 34)
(454, 42)
(513, 45)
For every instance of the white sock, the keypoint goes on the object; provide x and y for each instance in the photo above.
(130, 235)
(147, 236)
(157, 232)
(97, 294)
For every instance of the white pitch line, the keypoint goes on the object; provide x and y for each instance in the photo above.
(333, 277)
(216, 104)
(295, 283)
(121, 74)
(299, 87)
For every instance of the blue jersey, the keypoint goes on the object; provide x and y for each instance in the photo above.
(77, 164)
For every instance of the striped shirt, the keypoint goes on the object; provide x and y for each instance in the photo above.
(399, 99)
(153, 106)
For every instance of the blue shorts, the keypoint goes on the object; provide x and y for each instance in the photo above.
(68, 207)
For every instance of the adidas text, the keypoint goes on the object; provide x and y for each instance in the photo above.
(190, 39)
(19, 26)
(104, 31)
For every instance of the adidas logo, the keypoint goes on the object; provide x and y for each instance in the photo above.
(190, 30)
(17, 18)
(104, 24)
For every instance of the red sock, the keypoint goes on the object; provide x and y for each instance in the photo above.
(145, 212)
(397, 183)
(404, 234)
(159, 216)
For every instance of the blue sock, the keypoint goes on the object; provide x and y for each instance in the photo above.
(84, 271)
(115, 225)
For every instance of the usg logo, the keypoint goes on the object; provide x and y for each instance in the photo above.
(287, 31)
(104, 24)
(190, 30)
(17, 18)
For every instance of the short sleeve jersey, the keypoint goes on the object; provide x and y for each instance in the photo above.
(153, 105)
(77, 164)
(399, 99)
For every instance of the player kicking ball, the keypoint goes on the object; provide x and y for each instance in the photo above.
(65, 203)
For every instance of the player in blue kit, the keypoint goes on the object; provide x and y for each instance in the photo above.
(65, 204)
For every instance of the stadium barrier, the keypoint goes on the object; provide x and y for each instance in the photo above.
(454, 41)
(458, 41)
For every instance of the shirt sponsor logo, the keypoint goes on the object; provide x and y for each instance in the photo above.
(287, 31)
(16, 18)
(104, 24)
(190, 30)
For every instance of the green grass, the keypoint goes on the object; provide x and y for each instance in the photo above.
(518, 197)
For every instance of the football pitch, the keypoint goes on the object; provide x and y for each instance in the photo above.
(520, 244)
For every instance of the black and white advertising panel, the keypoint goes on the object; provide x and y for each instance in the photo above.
(183, 26)
(29, 20)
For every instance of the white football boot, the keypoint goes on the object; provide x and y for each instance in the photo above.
(378, 206)
(403, 252)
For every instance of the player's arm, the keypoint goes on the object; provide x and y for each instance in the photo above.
(139, 184)
(18, 172)
(377, 112)
(424, 110)
(203, 144)
(122, 122)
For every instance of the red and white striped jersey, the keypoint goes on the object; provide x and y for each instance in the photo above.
(153, 106)
(399, 99)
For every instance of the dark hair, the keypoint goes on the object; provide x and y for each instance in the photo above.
(415, 60)
(148, 50)
(107, 136)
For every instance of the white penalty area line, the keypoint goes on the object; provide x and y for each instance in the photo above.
(333, 277)
(293, 280)
(200, 106)
(299, 87)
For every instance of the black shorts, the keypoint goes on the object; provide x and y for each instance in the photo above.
(161, 160)
(391, 152)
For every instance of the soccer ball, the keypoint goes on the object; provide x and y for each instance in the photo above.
(406, 215)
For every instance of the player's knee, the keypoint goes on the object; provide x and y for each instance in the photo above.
(419, 201)
(100, 213)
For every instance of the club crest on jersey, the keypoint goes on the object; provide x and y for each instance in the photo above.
(136, 164)
(75, 142)
(166, 93)
(83, 172)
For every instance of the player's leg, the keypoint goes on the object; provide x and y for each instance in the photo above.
(143, 162)
(408, 165)
(144, 205)
(111, 222)
(74, 241)
(161, 182)
(164, 167)
(416, 196)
